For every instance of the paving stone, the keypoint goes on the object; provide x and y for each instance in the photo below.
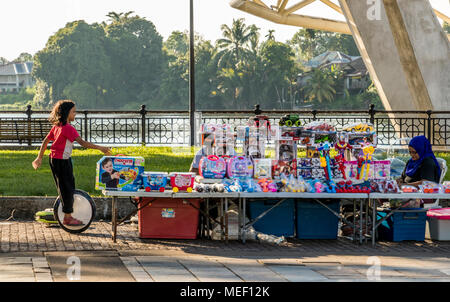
(166, 269)
(295, 273)
(335, 271)
(421, 273)
(43, 277)
(17, 279)
(209, 271)
(251, 270)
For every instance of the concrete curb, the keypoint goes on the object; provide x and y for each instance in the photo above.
(26, 206)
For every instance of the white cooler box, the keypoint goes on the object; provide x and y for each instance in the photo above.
(438, 221)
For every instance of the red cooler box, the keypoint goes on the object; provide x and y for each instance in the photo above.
(169, 218)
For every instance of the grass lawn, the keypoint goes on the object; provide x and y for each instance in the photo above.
(18, 178)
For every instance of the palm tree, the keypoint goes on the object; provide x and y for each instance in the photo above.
(113, 16)
(233, 46)
(270, 35)
(320, 86)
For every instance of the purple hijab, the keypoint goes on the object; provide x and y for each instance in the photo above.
(423, 147)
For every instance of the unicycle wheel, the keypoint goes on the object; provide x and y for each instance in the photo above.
(83, 209)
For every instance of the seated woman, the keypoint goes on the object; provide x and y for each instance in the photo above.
(208, 149)
(422, 166)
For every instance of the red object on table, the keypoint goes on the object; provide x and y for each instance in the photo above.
(168, 218)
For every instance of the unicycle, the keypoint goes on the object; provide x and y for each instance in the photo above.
(83, 210)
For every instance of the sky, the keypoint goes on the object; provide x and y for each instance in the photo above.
(26, 25)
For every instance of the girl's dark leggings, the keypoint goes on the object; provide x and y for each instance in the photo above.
(62, 171)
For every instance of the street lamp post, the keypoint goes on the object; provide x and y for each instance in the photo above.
(191, 73)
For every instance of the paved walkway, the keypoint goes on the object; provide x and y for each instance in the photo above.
(31, 251)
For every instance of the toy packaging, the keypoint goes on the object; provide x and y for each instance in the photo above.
(154, 181)
(382, 169)
(286, 150)
(319, 126)
(262, 168)
(119, 173)
(290, 133)
(182, 181)
(357, 140)
(446, 186)
(430, 187)
(409, 189)
(240, 167)
(212, 166)
(284, 167)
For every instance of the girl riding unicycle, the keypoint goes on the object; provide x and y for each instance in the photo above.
(74, 209)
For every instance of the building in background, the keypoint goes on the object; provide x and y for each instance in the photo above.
(356, 76)
(15, 76)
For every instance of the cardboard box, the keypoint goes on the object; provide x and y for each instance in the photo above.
(119, 173)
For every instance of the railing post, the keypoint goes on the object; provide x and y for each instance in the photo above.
(28, 112)
(372, 113)
(314, 113)
(429, 122)
(85, 125)
(143, 112)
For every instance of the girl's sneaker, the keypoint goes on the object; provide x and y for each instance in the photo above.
(72, 222)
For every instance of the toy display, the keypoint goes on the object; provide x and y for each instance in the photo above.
(182, 181)
(119, 173)
(212, 166)
(154, 181)
(327, 167)
(240, 167)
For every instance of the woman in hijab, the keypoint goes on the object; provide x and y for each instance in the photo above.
(422, 166)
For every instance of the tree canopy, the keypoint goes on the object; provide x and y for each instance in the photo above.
(123, 63)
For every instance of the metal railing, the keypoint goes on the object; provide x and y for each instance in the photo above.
(150, 127)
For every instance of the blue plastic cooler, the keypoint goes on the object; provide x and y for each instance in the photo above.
(314, 221)
(403, 226)
(279, 221)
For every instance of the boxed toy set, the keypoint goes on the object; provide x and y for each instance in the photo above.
(119, 173)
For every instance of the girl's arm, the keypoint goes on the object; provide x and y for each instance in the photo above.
(38, 161)
(89, 145)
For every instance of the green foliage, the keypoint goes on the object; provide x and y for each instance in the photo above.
(17, 100)
(123, 63)
(320, 86)
(23, 57)
(309, 43)
(446, 27)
